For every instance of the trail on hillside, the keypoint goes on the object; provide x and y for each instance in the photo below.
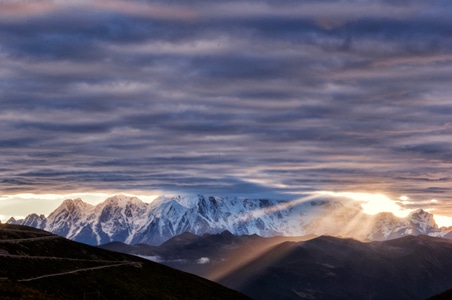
(47, 237)
(135, 264)
(108, 263)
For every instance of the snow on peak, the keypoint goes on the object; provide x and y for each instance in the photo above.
(130, 220)
(122, 200)
(73, 204)
(423, 218)
(187, 201)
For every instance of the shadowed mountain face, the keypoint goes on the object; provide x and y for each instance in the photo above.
(446, 295)
(332, 268)
(319, 268)
(210, 256)
(38, 265)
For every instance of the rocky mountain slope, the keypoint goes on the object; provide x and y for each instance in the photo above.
(129, 220)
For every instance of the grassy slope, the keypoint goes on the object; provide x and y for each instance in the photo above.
(136, 279)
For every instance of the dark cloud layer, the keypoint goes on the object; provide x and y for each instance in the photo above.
(226, 96)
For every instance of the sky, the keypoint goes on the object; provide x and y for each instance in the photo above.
(265, 98)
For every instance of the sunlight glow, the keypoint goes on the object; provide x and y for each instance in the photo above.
(92, 198)
(144, 198)
(373, 204)
(87, 197)
(443, 221)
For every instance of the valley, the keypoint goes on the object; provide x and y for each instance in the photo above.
(325, 267)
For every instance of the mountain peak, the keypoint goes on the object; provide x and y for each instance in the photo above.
(419, 211)
(420, 216)
(122, 200)
(71, 204)
(70, 207)
(11, 220)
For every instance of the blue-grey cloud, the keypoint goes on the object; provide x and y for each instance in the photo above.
(263, 97)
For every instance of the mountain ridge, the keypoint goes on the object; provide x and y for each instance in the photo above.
(132, 221)
(410, 267)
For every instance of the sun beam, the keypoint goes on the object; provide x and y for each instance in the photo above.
(373, 204)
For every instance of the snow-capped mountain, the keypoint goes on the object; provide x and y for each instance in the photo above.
(129, 220)
(387, 226)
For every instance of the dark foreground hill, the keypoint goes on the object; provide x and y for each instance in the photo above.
(446, 295)
(38, 265)
(333, 268)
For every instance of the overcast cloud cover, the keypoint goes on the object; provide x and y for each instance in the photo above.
(227, 97)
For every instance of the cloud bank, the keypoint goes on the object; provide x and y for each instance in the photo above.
(243, 97)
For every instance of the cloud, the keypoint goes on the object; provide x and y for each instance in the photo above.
(203, 260)
(242, 97)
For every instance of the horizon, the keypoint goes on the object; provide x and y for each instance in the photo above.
(370, 203)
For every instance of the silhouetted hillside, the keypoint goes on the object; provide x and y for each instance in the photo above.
(39, 265)
(333, 268)
(446, 295)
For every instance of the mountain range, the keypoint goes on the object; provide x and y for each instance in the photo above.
(266, 249)
(132, 221)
